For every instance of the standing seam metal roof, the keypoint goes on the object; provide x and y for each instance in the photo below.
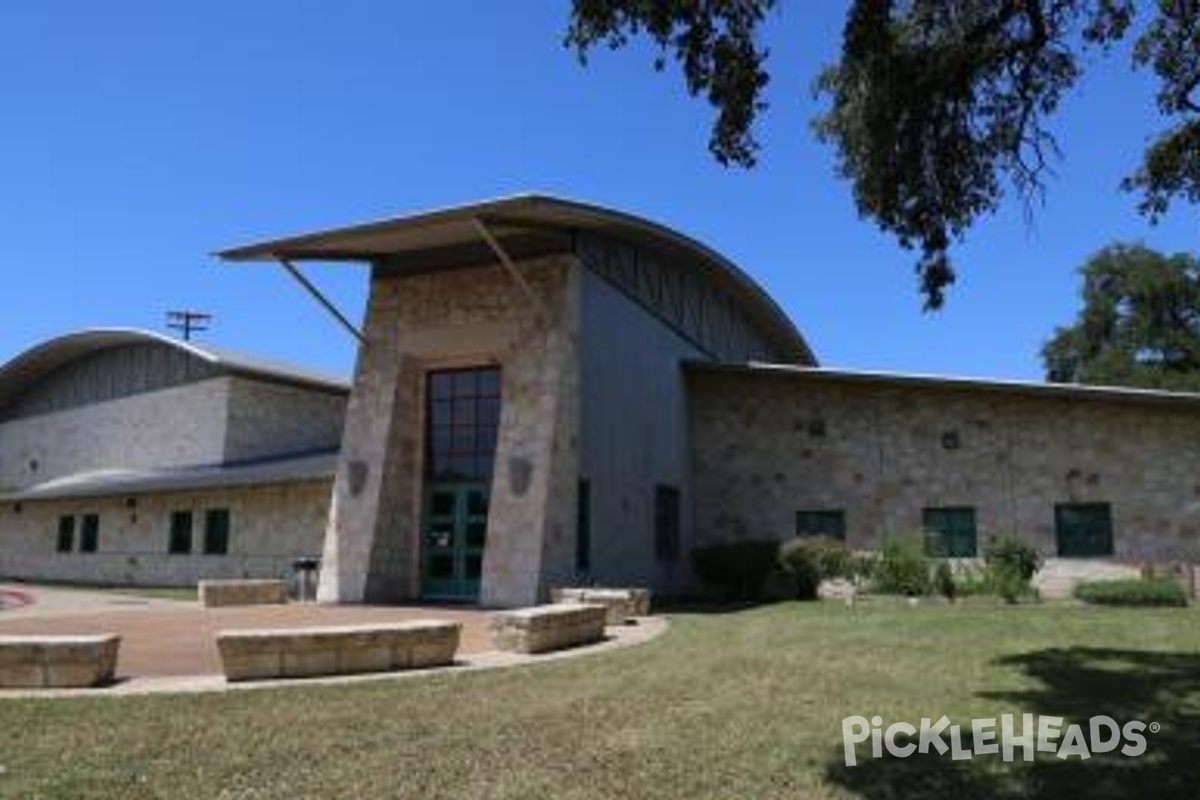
(377, 241)
(40, 360)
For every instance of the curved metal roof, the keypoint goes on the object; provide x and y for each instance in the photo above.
(40, 360)
(449, 234)
(297, 468)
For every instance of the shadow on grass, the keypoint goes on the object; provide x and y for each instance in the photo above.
(1077, 683)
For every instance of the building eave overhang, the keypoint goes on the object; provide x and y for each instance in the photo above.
(529, 222)
(301, 468)
(885, 380)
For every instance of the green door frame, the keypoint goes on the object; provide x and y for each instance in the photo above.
(454, 535)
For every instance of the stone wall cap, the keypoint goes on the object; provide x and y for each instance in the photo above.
(549, 610)
(58, 639)
(410, 626)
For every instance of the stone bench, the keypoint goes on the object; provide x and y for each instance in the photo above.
(337, 650)
(214, 594)
(551, 627)
(621, 603)
(57, 662)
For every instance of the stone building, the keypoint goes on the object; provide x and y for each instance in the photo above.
(129, 457)
(551, 392)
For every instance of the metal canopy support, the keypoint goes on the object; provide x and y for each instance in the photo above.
(493, 243)
(321, 298)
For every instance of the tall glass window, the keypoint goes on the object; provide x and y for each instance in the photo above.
(463, 420)
(180, 541)
(216, 531)
(66, 535)
(89, 533)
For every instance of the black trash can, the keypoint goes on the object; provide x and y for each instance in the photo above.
(305, 571)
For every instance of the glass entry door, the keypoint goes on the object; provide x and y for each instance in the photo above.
(455, 533)
(461, 423)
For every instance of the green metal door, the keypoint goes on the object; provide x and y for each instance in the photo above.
(1084, 530)
(454, 536)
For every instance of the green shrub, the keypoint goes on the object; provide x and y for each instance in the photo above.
(1015, 554)
(808, 560)
(944, 582)
(739, 570)
(860, 567)
(1133, 592)
(973, 581)
(1011, 565)
(901, 568)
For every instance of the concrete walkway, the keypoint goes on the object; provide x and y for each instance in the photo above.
(170, 645)
(24, 601)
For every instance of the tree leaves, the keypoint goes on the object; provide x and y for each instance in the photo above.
(1139, 324)
(1171, 167)
(935, 102)
(937, 108)
(713, 42)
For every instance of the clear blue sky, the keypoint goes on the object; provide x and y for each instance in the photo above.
(138, 137)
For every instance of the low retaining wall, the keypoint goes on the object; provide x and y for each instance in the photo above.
(551, 627)
(620, 603)
(57, 662)
(1058, 576)
(214, 594)
(304, 652)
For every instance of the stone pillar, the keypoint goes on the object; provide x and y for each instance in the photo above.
(439, 320)
(535, 452)
(360, 491)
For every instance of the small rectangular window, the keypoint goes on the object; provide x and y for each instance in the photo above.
(89, 533)
(666, 522)
(216, 531)
(831, 523)
(181, 533)
(950, 532)
(66, 535)
(1083, 530)
(583, 527)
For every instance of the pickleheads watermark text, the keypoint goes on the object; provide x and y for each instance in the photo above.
(1027, 735)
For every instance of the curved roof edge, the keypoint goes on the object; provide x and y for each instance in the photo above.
(41, 359)
(296, 468)
(919, 380)
(433, 229)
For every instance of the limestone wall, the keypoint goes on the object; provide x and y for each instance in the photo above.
(270, 526)
(765, 446)
(466, 317)
(266, 419)
(170, 427)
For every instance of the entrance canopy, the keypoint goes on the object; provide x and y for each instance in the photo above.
(525, 226)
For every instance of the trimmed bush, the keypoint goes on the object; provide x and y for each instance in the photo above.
(943, 581)
(1011, 565)
(738, 570)
(808, 560)
(1147, 592)
(861, 566)
(901, 568)
(973, 581)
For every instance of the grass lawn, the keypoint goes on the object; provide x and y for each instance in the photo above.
(743, 705)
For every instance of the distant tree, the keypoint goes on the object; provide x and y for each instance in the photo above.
(1139, 324)
(936, 106)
